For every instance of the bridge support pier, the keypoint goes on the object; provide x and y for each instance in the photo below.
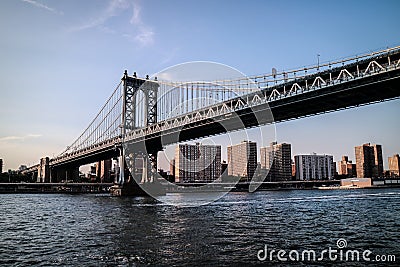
(139, 177)
(44, 171)
(138, 163)
(126, 185)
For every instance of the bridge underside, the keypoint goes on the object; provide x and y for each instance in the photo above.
(105, 153)
(370, 90)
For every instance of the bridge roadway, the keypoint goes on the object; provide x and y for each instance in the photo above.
(351, 85)
(373, 79)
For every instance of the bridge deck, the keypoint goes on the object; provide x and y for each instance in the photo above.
(372, 79)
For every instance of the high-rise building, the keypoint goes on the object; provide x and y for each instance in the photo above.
(378, 170)
(197, 163)
(242, 159)
(314, 167)
(394, 165)
(103, 170)
(277, 160)
(346, 167)
(369, 160)
(1, 166)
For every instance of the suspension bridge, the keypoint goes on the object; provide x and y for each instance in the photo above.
(143, 115)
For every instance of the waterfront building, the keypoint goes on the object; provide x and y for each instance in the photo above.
(277, 160)
(197, 163)
(394, 165)
(172, 167)
(103, 170)
(346, 167)
(242, 159)
(369, 161)
(314, 167)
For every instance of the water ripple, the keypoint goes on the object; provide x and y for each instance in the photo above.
(89, 230)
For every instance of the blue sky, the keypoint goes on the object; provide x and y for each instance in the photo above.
(60, 60)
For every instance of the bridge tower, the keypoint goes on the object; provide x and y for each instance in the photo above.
(132, 86)
(130, 153)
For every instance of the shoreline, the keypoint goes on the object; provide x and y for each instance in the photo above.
(78, 189)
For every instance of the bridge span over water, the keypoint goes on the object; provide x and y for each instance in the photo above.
(144, 115)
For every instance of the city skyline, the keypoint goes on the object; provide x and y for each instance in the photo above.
(344, 158)
(281, 154)
(203, 163)
(68, 58)
(344, 161)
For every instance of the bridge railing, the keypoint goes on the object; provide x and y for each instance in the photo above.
(287, 88)
(272, 79)
(178, 98)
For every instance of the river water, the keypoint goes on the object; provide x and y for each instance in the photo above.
(99, 230)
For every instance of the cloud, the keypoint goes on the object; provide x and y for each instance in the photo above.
(113, 9)
(19, 138)
(34, 135)
(43, 6)
(135, 19)
(145, 35)
(140, 33)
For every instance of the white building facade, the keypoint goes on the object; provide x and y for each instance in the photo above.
(314, 167)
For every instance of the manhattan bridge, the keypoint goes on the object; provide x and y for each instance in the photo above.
(143, 115)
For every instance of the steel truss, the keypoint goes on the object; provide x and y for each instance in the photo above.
(170, 106)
